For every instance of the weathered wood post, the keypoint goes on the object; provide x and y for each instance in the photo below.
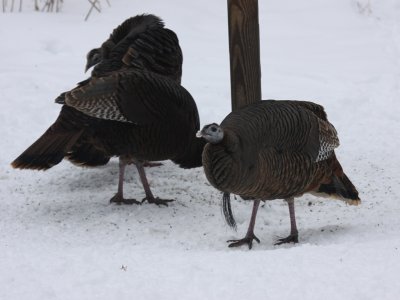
(244, 51)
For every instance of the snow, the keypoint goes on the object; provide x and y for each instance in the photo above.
(61, 239)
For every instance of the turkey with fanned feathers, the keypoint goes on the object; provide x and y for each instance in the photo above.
(274, 150)
(135, 115)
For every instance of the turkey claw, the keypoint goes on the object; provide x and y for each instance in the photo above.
(157, 200)
(248, 239)
(293, 238)
(121, 200)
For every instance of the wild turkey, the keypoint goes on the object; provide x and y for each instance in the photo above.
(141, 42)
(136, 115)
(275, 150)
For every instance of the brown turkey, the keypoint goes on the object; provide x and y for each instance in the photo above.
(135, 115)
(274, 150)
(141, 43)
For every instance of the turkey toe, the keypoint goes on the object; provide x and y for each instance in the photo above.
(248, 239)
(118, 199)
(157, 200)
(293, 238)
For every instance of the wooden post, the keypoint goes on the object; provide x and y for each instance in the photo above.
(244, 51)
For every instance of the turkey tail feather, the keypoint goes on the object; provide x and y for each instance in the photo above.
(47, 151)
(342, 187)
(227, 211)
(349, 191)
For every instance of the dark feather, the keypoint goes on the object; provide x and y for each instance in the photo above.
(87, 155)
(227, 211)
(53, 145)
(142, 43)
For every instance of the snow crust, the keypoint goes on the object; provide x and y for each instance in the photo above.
(61, 239)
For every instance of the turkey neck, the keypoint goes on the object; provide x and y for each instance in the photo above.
(227, 164)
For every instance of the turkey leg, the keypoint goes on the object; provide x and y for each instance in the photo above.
(294, 234)
(119, 196)
(250, 236)
(149, 195)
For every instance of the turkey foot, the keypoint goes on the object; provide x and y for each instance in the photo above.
(294, 234)
(149, 195)
(248, 239)
(292, 238)
(157, 200)
(151, 164)
(118, 199)
(250, 236)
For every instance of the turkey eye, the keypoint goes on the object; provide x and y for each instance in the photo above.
(213, 129)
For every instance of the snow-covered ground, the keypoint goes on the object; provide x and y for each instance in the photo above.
(61, 239)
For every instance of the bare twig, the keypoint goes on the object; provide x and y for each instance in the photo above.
(49, 5)
(94, 4)
(364, 8)
(58, 5)
(10, 5)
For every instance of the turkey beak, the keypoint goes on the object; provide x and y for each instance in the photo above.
(88, 66)
(199, 134)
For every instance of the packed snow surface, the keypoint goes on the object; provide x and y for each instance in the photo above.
(60, 238)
